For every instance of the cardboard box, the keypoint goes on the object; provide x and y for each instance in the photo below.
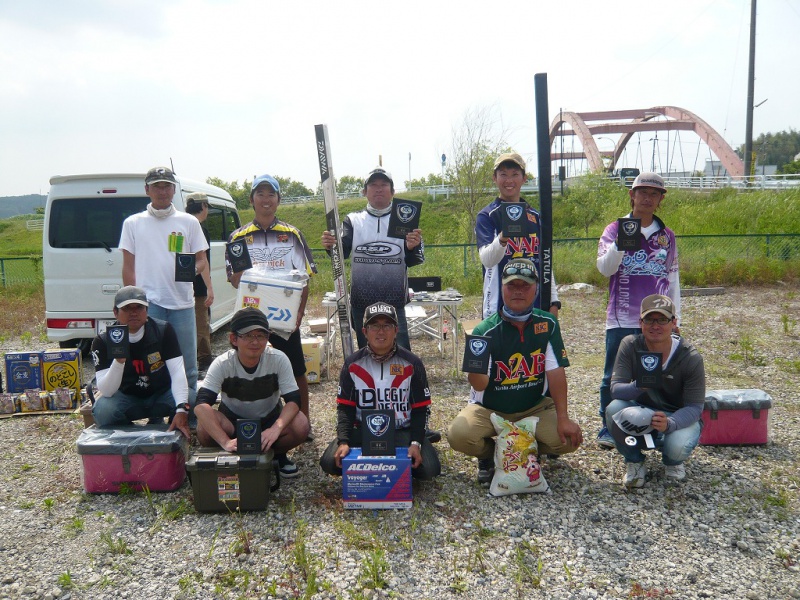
(376, 481)
(62, 368)
(318, 325)
(134, 455)
(223, 482)
(736, 417)
(312, 352)
(23, 371)
(279, 299)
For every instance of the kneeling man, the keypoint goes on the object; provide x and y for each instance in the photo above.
(385, 376)
(672, 410)
(151, 383)
(526, 376)
(251, 378)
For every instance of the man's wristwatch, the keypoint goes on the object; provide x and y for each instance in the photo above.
(556, 303)
(183, 408)
(417, 444)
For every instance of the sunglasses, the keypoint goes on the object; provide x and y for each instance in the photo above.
(524, 271)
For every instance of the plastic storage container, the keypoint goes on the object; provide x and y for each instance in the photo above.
(736, 417)
(224, 482)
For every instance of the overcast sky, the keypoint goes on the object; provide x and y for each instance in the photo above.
(232, 88)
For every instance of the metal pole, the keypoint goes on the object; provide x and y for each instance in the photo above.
(751, 81)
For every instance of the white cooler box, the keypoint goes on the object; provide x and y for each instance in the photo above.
(279, 299)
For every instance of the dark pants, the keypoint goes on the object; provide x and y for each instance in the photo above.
(429, 468)
(614, 338)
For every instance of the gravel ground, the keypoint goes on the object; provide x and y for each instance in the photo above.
(731, 530)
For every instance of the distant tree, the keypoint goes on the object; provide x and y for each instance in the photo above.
(790, 168)
(587, 199)
(431, 180)
(476, 142)
(775, 148)
(239, 193)
(347, 184)
(293, 189)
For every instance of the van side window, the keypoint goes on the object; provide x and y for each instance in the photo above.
(221, 223)
(90, 222)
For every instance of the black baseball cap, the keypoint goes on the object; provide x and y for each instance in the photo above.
(249, 319)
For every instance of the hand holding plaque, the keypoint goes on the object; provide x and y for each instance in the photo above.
(476, 355)
(117, 341)
(239, 256)
(628, 232)
(404, 218)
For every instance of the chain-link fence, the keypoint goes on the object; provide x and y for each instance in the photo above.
(18, 270)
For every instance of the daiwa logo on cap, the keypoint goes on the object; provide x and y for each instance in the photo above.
(478, 347)
(378, 425)
(514, 212)
(406, 212)
(649, 362)
(249, 430)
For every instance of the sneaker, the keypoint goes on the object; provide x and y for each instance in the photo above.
(675, 472)
(635, 475)
(485, 470)
(433, 436)
(604, 439)
(287, 466)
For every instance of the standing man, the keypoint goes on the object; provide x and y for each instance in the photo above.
(526, 376)
(673, 410)
(495, 249)
(633, 274)
(197, 205)
(250, 380)
(379, 265)
(383, 376)
(276, 246)
(150, 242)
(151, 383)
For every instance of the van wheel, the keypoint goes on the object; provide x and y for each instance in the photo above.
(82, 344)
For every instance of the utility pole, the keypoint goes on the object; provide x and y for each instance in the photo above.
(751, 80)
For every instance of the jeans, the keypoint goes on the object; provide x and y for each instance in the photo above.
(183, 323)
(675, 447)
(123, 409)
(357, 318)
(613, 339)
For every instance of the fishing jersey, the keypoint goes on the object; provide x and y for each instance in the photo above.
(652, 269)
(145, 373)
(488, 224)
(399, 384)
(378, 263)
(280, 247)
(519, 361)
(250, 395)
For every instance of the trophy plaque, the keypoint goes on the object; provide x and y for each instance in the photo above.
(184, 267)
(119, 346)
(648, 370)
(476, 355)
(404, 218)
(377, 433)
(239, 256)
(248, 436)
(628, 231)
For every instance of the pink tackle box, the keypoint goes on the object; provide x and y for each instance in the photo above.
(736, 417)
(134, 456)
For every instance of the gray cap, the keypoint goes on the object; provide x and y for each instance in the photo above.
(378, 172)
(130, 294)
(653, 180)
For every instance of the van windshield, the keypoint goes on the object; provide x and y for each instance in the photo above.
(90, 222)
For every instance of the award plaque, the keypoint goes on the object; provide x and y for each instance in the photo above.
(377, 433)
(119, 346)
(184, 267)
(476, 355)
(248, 436)
(628, 231)
(239, 256)
(648, 370)
(513, 217)
(404, 218)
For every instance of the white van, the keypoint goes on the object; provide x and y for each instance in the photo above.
(83, 264)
